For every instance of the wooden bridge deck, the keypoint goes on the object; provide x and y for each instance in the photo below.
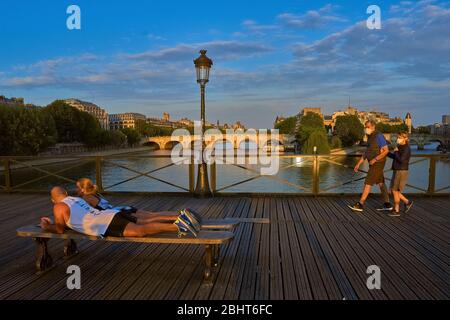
(313, 248)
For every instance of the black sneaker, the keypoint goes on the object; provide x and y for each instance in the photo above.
(357, 207)
(394, 214)
(408, 206)
(386, 207)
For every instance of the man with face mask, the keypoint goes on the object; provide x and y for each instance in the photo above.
(376, 153)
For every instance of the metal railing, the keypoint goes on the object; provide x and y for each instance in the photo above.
(12, 166)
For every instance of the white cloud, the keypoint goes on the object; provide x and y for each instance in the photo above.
(313, 19)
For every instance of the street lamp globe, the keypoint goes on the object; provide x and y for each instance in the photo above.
(203, 65)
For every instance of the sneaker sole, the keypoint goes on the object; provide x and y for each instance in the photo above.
(188, 219)
(187, 227)
(409, 209)
(354, 209)
(383, 209)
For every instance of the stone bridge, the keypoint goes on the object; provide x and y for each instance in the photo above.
(236, 140)
(422, 139)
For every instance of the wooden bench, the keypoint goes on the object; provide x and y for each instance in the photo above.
(212, 240)
(220, 224)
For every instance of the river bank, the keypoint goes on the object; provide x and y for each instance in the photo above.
(73, 157)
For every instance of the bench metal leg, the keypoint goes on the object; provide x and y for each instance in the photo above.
(70, 248)
(43, 259)
(208, 263)
(216, 255)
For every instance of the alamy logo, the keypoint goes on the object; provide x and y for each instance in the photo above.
(374, 280)
(261, 147)
(74, 280)
(374, 21)
(73, 22)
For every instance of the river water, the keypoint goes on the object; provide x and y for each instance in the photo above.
(297, 177)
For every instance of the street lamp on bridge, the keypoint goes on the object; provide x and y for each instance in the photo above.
(203, 66)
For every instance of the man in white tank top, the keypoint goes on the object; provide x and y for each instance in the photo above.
(76, 214)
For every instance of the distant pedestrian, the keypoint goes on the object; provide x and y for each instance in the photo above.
(400, 167)
(377, 150)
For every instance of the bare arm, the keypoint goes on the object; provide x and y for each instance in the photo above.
(383, 154)
(360, 162)
(61, 213)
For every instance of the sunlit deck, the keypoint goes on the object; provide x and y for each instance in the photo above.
(313, 248)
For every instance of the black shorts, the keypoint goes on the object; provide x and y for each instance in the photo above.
(128, 210)
(119, 223)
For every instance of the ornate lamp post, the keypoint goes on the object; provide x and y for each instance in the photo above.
(202, 65)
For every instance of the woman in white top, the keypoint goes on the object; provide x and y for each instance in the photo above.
(88, 191)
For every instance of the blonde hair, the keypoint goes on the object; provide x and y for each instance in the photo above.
(88, 186)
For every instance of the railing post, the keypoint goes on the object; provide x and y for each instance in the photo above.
(432, 176)
(213, 173)
(191, 175)
(316, 168)
(7, 170)
(98, 173)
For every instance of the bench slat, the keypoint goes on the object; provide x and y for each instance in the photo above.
(222, 224)
(204, 237)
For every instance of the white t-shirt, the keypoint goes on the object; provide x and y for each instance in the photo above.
(86, 219)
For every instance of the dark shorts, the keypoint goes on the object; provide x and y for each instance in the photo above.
(128, 210)
(399, 180)
(119, 223)
(375, 174)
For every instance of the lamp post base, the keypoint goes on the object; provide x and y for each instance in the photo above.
(202, 189)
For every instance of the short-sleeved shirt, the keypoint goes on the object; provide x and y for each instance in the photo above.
(381, 140)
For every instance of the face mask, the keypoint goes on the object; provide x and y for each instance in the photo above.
(401, 141)
(369, 131)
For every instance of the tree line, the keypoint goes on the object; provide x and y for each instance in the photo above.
(31, 130)
(312, 132)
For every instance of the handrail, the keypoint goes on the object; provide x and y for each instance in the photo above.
(9, 164)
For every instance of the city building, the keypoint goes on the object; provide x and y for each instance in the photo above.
(440, 129)
(278, 120)
(446, 119)
(318, 111)
(408, 122)
(125, 120)
(100, 114)
(11, 101)
(363, 116)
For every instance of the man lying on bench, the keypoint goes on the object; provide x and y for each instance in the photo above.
(76, 214)
(87, 190)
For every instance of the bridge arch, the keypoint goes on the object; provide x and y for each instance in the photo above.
(223, 142)
(153, 144)
(247, 144)
(170, 145)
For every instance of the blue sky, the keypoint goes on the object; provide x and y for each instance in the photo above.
(270, 57)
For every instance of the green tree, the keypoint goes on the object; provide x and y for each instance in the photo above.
(388, 128)
(287, 126)
(335, 142)
(317, 139)
(133, 136)
(25, 130)
(349, 129)
(309, 123)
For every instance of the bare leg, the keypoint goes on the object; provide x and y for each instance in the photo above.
(365, 193)
(134, 230)
(396, 200)
(156, 219)
(147, 214)
(384, 192)
(403, 198)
